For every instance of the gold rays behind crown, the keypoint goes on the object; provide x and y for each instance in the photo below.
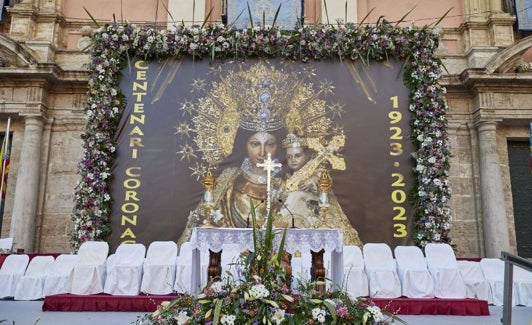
(259, 97)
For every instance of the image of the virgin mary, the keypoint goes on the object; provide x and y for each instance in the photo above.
(255, 108)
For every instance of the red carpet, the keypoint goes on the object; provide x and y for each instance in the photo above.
(103, 302)
(400, 306)
(411, 306)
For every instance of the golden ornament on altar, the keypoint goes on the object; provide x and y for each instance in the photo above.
(324, 185)
(325, 182)
(209, 183)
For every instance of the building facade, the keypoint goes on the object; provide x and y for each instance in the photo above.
(43, 81)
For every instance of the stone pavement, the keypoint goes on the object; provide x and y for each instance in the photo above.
(30, 313)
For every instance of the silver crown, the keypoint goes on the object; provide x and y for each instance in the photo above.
(293, 141)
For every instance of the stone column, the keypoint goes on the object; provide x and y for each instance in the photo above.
(496, 5)
(27, 187)
(495, 221)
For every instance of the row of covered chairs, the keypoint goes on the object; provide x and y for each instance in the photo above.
(129, 271)
(24, 279)
(373, 271)
(411, 274)
(126, 272)
(166, 269)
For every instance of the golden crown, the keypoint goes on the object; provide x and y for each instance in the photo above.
(260, 97)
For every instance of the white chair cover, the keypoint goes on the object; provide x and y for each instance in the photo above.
(88, 276)
(355, 279)
(381, 271)
(6, 245)
(31, 285)
(493, 269)
(124, 274)
(523, 284)
(448, 282)
(159, 268)
(477, 286)
(416, 281)
(11, 272)
(56, 281)
(109, 262)
(183, 278)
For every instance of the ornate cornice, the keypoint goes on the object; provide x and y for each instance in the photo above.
(14, 54)
(509, 59)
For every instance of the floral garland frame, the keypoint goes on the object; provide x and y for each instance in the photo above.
(114, 44)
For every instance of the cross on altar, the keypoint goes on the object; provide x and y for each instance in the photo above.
(269, 165)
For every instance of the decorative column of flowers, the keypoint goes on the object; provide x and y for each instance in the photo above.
(115, 44)
(429, 132)
(103, 107)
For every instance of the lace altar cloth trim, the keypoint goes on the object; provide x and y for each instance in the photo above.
(296, 239)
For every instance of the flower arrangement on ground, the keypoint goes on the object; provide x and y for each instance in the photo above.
(262, 293)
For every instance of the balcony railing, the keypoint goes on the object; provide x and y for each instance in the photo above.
(509, 262)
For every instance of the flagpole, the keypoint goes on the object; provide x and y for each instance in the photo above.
(4, 162)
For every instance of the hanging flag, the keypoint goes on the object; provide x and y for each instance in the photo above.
(1, 9)
(5, 154)
(2, 155)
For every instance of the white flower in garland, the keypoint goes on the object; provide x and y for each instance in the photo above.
(228, 319)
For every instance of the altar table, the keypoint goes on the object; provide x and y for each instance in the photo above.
(316, 240)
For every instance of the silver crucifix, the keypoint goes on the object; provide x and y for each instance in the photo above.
(269, 165)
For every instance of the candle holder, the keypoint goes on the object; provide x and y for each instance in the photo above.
(209, 184)
(324, 185)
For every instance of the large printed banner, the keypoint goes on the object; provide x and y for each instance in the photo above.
(319, 122)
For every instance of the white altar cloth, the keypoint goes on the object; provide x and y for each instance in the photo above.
(331, 240)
